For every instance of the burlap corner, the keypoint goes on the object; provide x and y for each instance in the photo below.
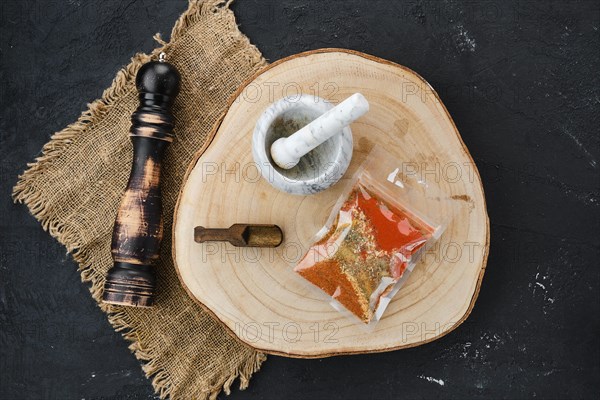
(75, 186)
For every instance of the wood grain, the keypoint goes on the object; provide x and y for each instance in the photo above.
(254, 292)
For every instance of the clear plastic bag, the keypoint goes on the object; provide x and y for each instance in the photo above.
(374, 236)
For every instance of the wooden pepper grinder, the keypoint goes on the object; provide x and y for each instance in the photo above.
(138, 228)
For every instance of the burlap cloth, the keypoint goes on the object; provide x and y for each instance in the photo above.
(75, 186)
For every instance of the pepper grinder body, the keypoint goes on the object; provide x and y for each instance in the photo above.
(138, 228)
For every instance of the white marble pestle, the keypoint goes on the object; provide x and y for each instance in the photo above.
(286, 152)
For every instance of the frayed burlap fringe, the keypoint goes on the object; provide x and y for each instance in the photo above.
(29, 190)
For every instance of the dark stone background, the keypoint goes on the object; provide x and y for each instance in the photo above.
(520, 79)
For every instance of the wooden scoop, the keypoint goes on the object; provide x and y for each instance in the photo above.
(241, 235)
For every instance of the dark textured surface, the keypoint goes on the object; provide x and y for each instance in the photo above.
(520, 79)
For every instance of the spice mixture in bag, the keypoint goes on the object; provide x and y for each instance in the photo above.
(372, 240)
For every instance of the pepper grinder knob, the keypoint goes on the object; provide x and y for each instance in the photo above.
(138, 228)
(158, 83)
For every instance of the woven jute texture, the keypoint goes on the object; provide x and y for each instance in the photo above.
(75, 186)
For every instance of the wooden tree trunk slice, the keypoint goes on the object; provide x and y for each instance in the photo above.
(254, 292)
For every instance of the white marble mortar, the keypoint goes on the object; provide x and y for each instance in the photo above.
(316, 171)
